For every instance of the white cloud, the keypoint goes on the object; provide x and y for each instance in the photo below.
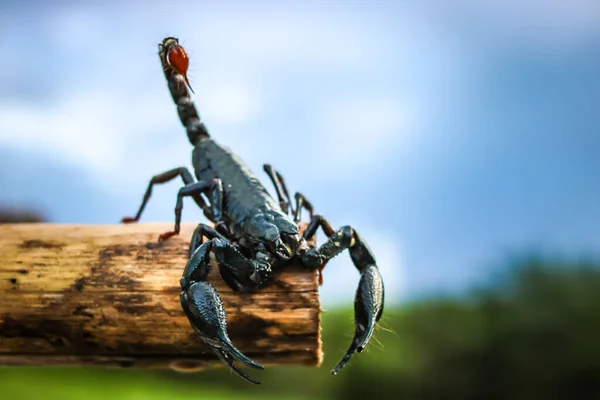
(359, 129)
(76, 28)
(116, 102)
(91, 129)
(288, 40)
(117, 138)
(228, 103)
(552, 23)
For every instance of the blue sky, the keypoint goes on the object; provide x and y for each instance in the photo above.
(450, 135)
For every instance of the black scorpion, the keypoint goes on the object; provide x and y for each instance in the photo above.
(252, 234)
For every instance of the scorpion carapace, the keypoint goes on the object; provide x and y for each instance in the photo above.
(252, 235)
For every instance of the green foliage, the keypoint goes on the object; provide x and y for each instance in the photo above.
(532, 334)
(71, 383)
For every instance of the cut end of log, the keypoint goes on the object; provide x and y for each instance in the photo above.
(109, 295)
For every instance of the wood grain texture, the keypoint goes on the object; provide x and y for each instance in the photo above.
(109, 295)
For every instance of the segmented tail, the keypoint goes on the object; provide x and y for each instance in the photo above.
(175, 74)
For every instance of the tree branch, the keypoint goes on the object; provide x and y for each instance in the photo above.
(109, 295)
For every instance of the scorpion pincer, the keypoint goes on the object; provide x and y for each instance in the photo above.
(252, 234)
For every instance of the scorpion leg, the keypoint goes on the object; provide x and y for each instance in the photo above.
(301, 203)
(313, 256)
(205, 311)
(165, 177)
(198, 237)
(213, 187)
(368, 302)
(280, 187)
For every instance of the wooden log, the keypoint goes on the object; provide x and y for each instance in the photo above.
(109, 295)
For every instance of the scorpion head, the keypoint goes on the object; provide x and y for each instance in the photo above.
(275, 230)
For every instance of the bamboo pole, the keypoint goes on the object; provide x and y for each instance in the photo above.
(109, 295)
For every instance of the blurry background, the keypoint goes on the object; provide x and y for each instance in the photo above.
(460, 138)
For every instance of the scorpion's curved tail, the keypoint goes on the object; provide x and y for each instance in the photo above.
(175, 62)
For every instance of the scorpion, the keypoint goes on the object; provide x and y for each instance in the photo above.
(252, 234)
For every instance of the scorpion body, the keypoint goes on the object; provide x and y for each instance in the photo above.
(253, 235)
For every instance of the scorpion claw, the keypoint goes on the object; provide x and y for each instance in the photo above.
(234, 354)
(368, 307)
(204, 309)
(227, 359)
